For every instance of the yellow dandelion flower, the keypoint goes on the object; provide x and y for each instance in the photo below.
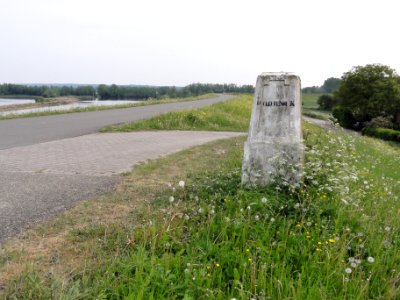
(247, 250)
(319, 243)
(298, 225)
(319, 250)
(217, 265)
(250, 259)
(331, 241)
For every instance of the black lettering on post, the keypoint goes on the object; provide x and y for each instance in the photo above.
(291, 103)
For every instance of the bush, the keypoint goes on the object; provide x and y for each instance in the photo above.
(41, 100)
(379, 122)
(344, 116)
(326, 102)
(382, 133)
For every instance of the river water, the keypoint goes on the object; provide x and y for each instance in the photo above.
(15, 101)
(81, 104)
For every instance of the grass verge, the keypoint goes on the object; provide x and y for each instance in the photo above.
(98, 108)
(231, 115)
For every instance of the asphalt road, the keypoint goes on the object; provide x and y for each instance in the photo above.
(29, 131)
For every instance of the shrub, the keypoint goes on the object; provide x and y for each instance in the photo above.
(382, 133)
(344, 116)
(326, 102)
(379, 122)
(41, 100)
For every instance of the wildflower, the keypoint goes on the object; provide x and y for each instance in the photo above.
(187, 217)
(171, 199)
(256, 217)
(272, 220)
(212, 211)
(319, 250)
(353, 265)
(227, 219)
(319, 243)
(331, 241)
(247, 250)
(264, 200)
(248, 207)
(348, 270)
(370, 259)
(250, 259)
(181, 184)
(387, 228)
(297, 205)
(217, 265)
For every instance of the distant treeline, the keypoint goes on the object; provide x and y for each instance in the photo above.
(46, 91)
(113, 91)
(330, 85)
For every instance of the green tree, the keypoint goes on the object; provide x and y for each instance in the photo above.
(370, 91)
(331, 85)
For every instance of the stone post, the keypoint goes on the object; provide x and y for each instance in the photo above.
(274, 147)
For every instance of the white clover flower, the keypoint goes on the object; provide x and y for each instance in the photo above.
(348, 270)
(272, 220)
(257, 217)
(171, 199)
(264, 200)
(181, 184)
(248, 207)
(227, 219)
(212, 211)
(200, 210)
(297, 205)
(352, 259)
(387, 228)
(370, 259)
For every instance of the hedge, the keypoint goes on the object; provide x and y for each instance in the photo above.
(382, 133)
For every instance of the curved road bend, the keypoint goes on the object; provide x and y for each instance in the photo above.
(29, 131)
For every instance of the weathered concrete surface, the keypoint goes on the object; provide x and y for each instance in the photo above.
(274, 147)
(39, 181)
(29, 131)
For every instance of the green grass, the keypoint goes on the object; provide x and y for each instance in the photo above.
(99, 108)
(231, 115)
(336, 236)
(311, 108)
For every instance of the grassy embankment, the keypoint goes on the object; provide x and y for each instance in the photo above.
(94, 108)
(310, 107)
(334, 237)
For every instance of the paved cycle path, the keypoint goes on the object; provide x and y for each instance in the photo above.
(29, 131)
(41, 180)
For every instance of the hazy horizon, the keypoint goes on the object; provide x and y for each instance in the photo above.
(175, 43)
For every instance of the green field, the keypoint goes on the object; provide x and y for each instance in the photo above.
(335, 236)
(310, 107)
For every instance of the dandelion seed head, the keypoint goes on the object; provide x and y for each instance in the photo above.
(264, 200)
(370, 259)
(348, 270)
(171, 199)
(181, 184)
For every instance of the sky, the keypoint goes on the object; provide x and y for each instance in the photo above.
(178, 42)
